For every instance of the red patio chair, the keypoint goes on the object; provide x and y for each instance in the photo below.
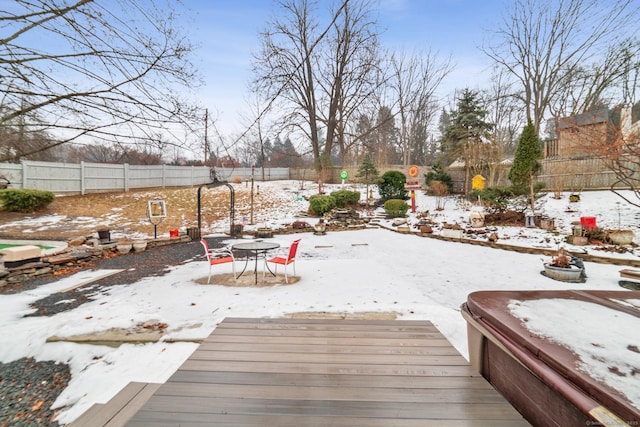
(218, 256)
(290, 259)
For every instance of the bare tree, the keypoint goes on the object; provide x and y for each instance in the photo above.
(386, 139)
(617, 145)
(544, 43)
(506, 113)
(91, 68)
(504, 110)
(285, 69)
(414, 80)
(351, 61)
(316, 73)
(255, 135)
(602, 83)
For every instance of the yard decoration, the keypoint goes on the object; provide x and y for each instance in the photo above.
(620, 237)
(565, 268)
(320, 228)
(156, 213)
(124, 246)
(139, 245)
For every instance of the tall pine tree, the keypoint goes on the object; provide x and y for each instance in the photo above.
(526, 161)
(466, 136)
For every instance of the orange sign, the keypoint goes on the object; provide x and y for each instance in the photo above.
(413, 171)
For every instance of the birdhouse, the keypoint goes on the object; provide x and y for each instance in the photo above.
(477, 182)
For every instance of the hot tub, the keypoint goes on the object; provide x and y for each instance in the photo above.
(561, 358)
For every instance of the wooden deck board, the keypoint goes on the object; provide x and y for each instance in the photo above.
(287, 347)
(118, 410)
(390, 343)
(297, 372)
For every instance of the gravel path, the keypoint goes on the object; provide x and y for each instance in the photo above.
(28, 388)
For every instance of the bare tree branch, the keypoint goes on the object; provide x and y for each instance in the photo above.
(545, 43)
(109, 70)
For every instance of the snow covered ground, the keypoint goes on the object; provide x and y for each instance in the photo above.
(372, 270)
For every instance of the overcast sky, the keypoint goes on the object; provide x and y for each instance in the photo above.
(226, 34)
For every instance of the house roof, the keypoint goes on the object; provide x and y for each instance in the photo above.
(588, 118)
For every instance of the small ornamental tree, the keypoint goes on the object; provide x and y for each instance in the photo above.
(368, 174)
(526, 161)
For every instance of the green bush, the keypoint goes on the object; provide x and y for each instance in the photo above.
(395, 208)
(496, 199)
(346, 198)
(439, 175)
(392, 186)
(25, 200)
(321, 203)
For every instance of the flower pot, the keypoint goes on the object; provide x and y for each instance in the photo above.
(621, 237)
(264, 233)
(564, 274)
(578, 240)
(124, 248)
(237, 229)
(320, 229)
(547, 224)
(139, 245)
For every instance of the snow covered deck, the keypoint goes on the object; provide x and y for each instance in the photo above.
(285, 372)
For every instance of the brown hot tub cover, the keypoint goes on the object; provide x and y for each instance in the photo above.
(540, 377)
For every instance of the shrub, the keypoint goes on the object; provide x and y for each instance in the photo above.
(321, 203)
(392, 186)
(439, 175)
(496, 199)
(346, 198)
(439, 190)
(395, 208)
(25, 200)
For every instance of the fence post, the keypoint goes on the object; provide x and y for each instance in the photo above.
(126, 177)
(83, 186)
(24, 173)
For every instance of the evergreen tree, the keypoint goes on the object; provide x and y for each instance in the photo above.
(467, 134)
(368, 173)
(392, 186)
(526, 161)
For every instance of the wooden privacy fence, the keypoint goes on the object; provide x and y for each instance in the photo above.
(82, 178)
(575, 175)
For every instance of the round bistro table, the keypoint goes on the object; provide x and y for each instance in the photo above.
(255, 248)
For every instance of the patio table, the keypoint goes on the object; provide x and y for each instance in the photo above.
(255, 248)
